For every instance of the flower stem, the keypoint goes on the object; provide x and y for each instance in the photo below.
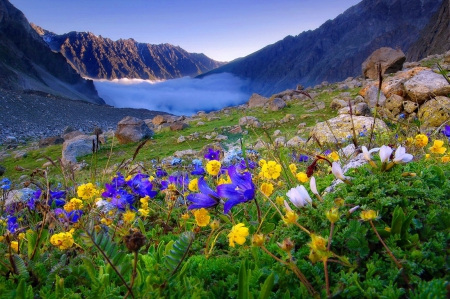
(327, 281)
(385, 246)
(331, 236)
(302, 228)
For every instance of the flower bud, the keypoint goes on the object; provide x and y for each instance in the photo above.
(368, 215)
(215, 224)
(332, 215)
(258, 240)
(287, 245)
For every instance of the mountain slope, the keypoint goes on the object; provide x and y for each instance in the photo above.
(102, 58)
(26, 62)
(435, 37)
(336, 49)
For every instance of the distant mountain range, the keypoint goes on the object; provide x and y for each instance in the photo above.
(335, 50)
(27, 63)
(102, 58)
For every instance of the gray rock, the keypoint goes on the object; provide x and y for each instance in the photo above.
(249, 121)
(178, 126)
(276, 133)
(20, 154)
(72, 135)
(426, 84)
(393, 102)
(371, 97)
(280, 141)
(77, 147)
(277, 104)
(409, 106)
(50, 141)
(132, 129)
(257, 100)
(10, 140)
(337, 104)
(391, 61)
(185, 153)
(221, 137)
(160, 119)
(360, 109)
(181, 139)
(296, 141)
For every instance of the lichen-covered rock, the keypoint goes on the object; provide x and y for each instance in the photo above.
(132, 129)
(296, 141)
(426, 84)
(358, 109)
(77, 147)
(257, 100)
(181, 139)
(371, 97)
(342, 127)
(410, 107)
(391, 61)
(337, 104)
(394, 102)
(249, 121)
(277, 104)
(280, 141)
(435, 112)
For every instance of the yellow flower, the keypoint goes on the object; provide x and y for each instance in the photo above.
(15, 246)
(332, 215)
(339, 202)
(62, 240)
(293, 168)
(279, 200)
(258, 240)
(445, 159)
(437, 147)
(290, 218)
(427, 156)
(193, 185)
(334, 156)
(144, 200)
(73, 204)
(185, 216)
(318, 243)
(215, 224)
(224, 180)
(388, 229)
(144, 212)
(21, 236)
(262, 162)
(421, 140)
(2, 238)
(106, 221)
(128, 178)
(128, 216)
(267, 189)
(238, 234)
(87, 191)
(369, 215)
(409, 141)
(271, 170)
(302, 177)
(202, 216)
(213, 167)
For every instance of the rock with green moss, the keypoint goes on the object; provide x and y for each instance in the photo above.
(426, 84)
(435, 112)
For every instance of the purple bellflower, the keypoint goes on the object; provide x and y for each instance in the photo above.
(207, 198)
(212, 154)
(240, 190)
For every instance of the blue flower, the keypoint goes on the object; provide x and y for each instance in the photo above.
(327, 152)
(11, 224)
(243, 165)
(446, 131)
(197, 162)
(31, 203)
(160, 173)
(207, 198)
(5, 184)
(212, 154)
(118, 180)
(141, 186)
(121, 199)
(303, 158)
(70, 217)
(240, 190)
(176, 183)
(198, 170)
(175, 161)
(57, 197)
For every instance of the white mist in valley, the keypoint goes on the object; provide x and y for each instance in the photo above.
(183, 96)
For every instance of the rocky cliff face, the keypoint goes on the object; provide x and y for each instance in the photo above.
(336, 49)
(101, 58)
(435, 37)
(27, 63)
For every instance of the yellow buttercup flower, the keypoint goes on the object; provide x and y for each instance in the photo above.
(144, 212)
(334, 156)
(15, 246)
(271, 170)
(73, 204)
(224, 180)
(421, 140)
(202, 217)
(437, 147)
(427, 156)
(445, 159)
(267, 189)
(238, 234)
(213, 167)
(290, 217)
(185, 216)
(293, 168)
(262, 162)
(21, 236)
(193, 185)
(128, 178)
(318, 243)
(332, 215)
(106, 221)
(279, 200)
(128, 216)
(62, 240)
(302, 177)
(258, 240)
(369, 215)
(87, 191)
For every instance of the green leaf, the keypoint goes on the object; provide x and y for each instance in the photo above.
(397, 221)
(176, 251)
(267, 287)
(243, 286)
(21, 268)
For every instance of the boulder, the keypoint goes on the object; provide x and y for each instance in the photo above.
(337, 104)
(280, 141)
(409, 106)
(391, 61)
(178, 126)
(161, 119)
(67, 130)
(132, 129)
(50, 141)
(257, 100)
(20, 154)
(77, 147)
(181, 139)
(249, 121)
(342, 128)
(10, 140)
(394, 102)
(426, 84)
(435, 112)
(72, 134)
(358, 110)
(296, 141)
(394, 85)
(277, 104)
(371, 97)
(276, 133)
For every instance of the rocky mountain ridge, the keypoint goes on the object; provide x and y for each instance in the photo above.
(102, 58)
(27, 63)
(335, 50)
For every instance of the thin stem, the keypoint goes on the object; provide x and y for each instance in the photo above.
(133, 274)
(330, 236)
(385, 246)
(258, 209)
(302, 228)
(327, 281)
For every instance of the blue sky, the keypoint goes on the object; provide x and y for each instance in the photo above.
(221, 29)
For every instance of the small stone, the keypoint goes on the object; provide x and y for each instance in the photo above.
(181, 139)
(409, 106)
(276, 133)
(296, 141)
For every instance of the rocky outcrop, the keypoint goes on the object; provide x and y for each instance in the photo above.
(335, 50)
(132, 129)
(425, 84)
(102, 58)
(390, 60)
(435, 112)
(77, 147)
(257, 100)
(27, 63)
(435, 37)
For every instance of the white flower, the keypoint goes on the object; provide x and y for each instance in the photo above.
(312, 185)
(337, 171)
(299, 196)
(368, 154)
(385, 153)
(401, 156)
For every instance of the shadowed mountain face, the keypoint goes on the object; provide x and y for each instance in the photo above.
(435, 37)
(27, 63)
(336, 49)
(101, 58)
